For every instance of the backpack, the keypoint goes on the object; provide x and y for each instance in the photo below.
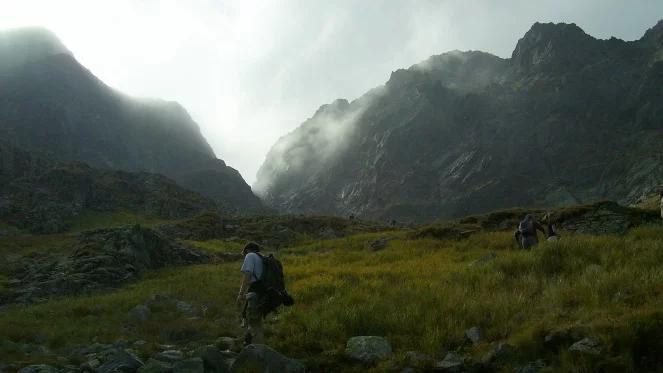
(272, 286)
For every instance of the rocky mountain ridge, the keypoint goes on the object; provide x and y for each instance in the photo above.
(567, 119)
(51, 104)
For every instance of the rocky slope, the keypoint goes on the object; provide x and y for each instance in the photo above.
(51, 104)
(567, 119)
(40, 197)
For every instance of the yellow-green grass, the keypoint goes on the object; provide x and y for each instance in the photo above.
(419, 294)
(218, 246)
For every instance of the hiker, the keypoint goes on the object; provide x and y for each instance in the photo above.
(517, 235)
(661, 205)
(262, 290)
(551, 233)
(249, 296)
(527, 229)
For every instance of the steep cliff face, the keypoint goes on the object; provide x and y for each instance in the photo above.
(51, 104)
(567, 119)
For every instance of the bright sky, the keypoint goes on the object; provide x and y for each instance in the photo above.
(250, 71)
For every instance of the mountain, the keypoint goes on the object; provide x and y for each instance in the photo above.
(567, 119)
(51, 104)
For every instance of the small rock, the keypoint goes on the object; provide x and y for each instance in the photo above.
(169, 356)
(120, 361)
(228, 344)
(418, 359)
(261, 358)
(368, 349)
(193, 365)
(138, 314)
(90, 365)
(531, 367)
(474, 334)
(379, 244)
(586, 346)
(213, 358)
(42, 368)
(139, 343)
(155, 366)
(452, 363)
(186, 309)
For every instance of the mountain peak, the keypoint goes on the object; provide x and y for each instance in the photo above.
(548, 44)
(29, 44)
(655, 34)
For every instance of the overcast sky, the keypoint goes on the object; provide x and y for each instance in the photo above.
(251, 71)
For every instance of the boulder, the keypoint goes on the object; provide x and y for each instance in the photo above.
(193, 365)
(38, 369)
(213, 358)
(138, 314)
(120, 361)
(452, 362)
(155, 366)
(169, 356)
(261, 358)
(418, 359)
(368, 349)
(474, 334)
(228, 344)
(379, 244)
(186, 309)
(587, 346)
(531, 367)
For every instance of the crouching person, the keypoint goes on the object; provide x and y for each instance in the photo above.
(250, 295)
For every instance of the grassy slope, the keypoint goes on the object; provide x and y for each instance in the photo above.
(420, 294)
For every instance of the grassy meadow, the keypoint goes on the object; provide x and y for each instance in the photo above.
(420, 294)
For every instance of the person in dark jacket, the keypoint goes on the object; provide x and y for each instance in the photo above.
(527, 229)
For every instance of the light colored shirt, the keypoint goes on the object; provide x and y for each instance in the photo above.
(253, 266)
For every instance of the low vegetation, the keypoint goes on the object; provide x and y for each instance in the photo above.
(420, 294)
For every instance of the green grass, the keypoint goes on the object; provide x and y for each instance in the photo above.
(421, 294)
(90, 220)
(218, 246)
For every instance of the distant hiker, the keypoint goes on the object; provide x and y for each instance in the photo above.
(527, 229)
(551, 233)
(261, 292)
(517, 235)
(661, 204)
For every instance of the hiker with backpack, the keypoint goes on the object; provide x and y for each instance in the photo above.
(527, 231)
(262, 290)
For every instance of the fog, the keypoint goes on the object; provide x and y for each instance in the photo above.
(251, 71)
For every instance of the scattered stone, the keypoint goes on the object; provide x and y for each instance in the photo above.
(474, 334)
(90, 365)
(186, 309)
(499, 351)
(261, 358)
(587, 346)
(155, 366)
(531, 367)
(120, 361)
(193, 365)
(139, 343)
(368, 349)
(213, 358)
(418, 359)
(379, 244)
(228, 344)
(169, 356)
(138, 314)
(38, 369)
(452, 362)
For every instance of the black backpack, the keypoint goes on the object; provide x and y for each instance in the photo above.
(272, 286)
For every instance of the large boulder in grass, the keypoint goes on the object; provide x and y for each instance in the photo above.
(260, 358)
(368, 349)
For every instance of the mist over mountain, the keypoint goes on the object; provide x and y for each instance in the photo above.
(51, 104)
(567, 119)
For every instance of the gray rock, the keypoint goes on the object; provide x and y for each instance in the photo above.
(587, 346)
(379, 244)
(474, 334)
(38, 369)
(120, 361)
(213, 358)
(138, 314)
(368, 349)
(169, 356)
(155, 366)
(193, 365)
(261, 358)
(228, 343)
(452, 362)
(186, 309)
(418, 359)
(531, 367)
